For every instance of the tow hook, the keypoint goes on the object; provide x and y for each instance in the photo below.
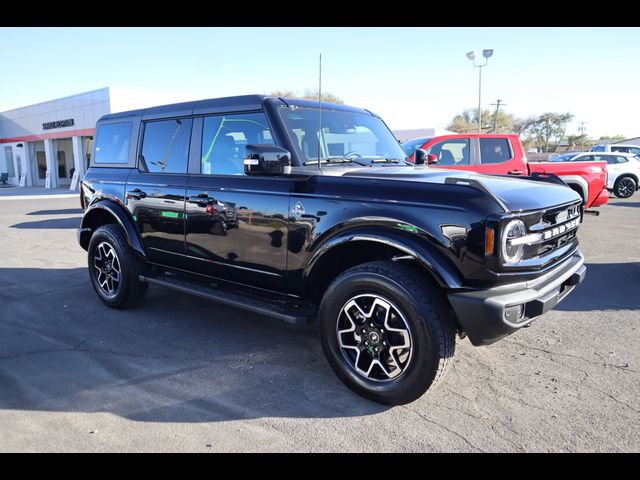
(593, 212)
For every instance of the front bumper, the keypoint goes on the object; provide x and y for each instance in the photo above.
(488, 315)
(601, 199)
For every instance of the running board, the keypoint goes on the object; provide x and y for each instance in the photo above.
(296, 314)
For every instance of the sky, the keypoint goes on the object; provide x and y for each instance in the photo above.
(411, 77)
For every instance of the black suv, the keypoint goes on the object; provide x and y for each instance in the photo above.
(301, 210)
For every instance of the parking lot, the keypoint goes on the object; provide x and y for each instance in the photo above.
(179, 373)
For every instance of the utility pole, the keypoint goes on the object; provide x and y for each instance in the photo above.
(495, 115)
(582, 129)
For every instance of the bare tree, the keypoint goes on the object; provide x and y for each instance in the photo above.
(545, 128)
(309, 94)
(467, 121)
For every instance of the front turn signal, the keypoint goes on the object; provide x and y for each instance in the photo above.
(489, 241)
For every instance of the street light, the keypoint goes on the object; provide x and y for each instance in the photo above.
(472, 56)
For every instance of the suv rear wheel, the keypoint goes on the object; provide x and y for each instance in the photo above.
(114, 268)
(386, 331)
(624, 187)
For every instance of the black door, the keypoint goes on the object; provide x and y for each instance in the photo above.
(155, 192)
(236, 227)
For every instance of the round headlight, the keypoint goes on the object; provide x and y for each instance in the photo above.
(513, 253)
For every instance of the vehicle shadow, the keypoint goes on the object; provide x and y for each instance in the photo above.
(62, 211)
(624, 204)
(175, 358)
(607, 286)
(71, 222)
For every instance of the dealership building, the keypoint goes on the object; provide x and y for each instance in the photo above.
(47, 143)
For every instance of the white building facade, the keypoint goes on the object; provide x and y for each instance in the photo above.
(46, 143)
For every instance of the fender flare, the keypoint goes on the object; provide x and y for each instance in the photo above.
(580, 182)
(426, 255)
(121, 216)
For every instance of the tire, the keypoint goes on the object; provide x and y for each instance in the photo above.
(413, 300)
(624, 187)
(108, 248)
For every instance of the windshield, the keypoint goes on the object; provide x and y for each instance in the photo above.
(410, 146)
(345, 136)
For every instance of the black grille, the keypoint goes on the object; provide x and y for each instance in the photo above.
(557, 227)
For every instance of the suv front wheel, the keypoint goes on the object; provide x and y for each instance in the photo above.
(386, 331)
(114, 268)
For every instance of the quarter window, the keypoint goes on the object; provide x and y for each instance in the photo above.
(224, 138)
(494, 150)
(451, 152)
(112, 144)
(165, 148)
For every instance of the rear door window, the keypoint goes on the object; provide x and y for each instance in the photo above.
(494, 150)
(165, 147)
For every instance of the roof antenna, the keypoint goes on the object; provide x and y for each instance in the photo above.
(320, 110)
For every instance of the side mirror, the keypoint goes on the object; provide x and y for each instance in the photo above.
(266, 160)
(421, 157)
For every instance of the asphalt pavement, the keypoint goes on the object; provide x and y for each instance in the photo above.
(182, 374)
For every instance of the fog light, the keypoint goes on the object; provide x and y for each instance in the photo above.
(514, 314)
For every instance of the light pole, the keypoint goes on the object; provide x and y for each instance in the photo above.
(472, 56)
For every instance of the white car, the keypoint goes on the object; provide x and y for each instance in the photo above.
(623, 169)
(617, 147)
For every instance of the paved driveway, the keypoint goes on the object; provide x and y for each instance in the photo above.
(179, 373)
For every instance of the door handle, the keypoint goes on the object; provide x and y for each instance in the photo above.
(136, 194)
(517, 172)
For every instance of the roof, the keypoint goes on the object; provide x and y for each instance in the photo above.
(225, 104)
(630, 141)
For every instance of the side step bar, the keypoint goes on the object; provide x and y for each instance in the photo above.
(290, 313)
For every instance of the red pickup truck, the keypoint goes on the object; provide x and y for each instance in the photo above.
(495, 153)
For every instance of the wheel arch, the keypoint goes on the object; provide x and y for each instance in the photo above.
(109, 212)
(578, 184)
(356, 247)
(628, 174)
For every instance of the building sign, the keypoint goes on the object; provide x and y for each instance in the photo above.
(58, 124)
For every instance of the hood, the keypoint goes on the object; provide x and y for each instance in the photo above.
(514, 193)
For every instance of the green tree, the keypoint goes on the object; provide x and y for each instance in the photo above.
(467, 121)
(581, 141)
(309, 94)
(611, 139)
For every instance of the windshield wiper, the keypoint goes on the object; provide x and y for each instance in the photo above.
(388, 160)
(334, 160)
